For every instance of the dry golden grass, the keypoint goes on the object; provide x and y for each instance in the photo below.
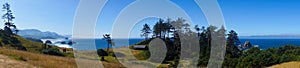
(33, 55)
(46, 61)
(287, 65)
(7, 62)
(114, 61)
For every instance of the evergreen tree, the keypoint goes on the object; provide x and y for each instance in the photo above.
(232, 42)
(169, 28)
(233, 38)
(108, 39)
(158, 28)
(146, 31)
(109, 42)
(197, 29)
(8, 18)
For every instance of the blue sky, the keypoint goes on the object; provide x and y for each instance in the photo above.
(247, 17)
(46, 15)
(262, 17)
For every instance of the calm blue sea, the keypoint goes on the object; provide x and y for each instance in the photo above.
(263, 43)
(91, 44)
(269, 42)
(100, 43)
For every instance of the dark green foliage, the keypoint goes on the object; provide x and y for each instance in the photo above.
(234, 57)
(204, 54)
(48, 42)
(251, 58)
(102, 53)
(20, 58)
(53, 51)
(256, 58)
(197, 29)
(232, 38)
(146, 54)
(7, 30)
(146, 31)
(171, 53)
(162, 29)
(10, 41)
(232, 42)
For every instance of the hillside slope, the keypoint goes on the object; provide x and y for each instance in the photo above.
(19, 43)
(287, 65)
(41, 60)
(18, 52)
(46, 61)
(7, 62)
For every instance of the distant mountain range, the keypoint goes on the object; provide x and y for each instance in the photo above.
(283, 35)
(37, 34)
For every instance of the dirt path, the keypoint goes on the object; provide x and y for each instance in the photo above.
(6, 62)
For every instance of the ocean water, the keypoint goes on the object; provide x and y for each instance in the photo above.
(269, 42)
(100, 43)
(91, 44)
(263, 43)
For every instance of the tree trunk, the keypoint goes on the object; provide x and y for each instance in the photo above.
(159, 34)
(146, 36)
(168, 34)
(102, 58)
(107, 47)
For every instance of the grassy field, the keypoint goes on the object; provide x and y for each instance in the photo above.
(287, 65)
(125, 57)
(48, 61)
(9, 62)
(30, 45)
(42, 60)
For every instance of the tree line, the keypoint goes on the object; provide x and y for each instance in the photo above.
(174, 31)
(169, 31)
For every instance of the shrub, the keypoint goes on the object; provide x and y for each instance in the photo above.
(102, 52)
(52, 51)
(20, 58)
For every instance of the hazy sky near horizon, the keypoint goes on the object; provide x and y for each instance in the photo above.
(247, 17)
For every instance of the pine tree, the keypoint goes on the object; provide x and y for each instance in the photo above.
(8, 18)
(146, 31)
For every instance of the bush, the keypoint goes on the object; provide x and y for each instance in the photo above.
(102, 52)
(144, 55)
(20, 58)
(52, 51)
(7, 30)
